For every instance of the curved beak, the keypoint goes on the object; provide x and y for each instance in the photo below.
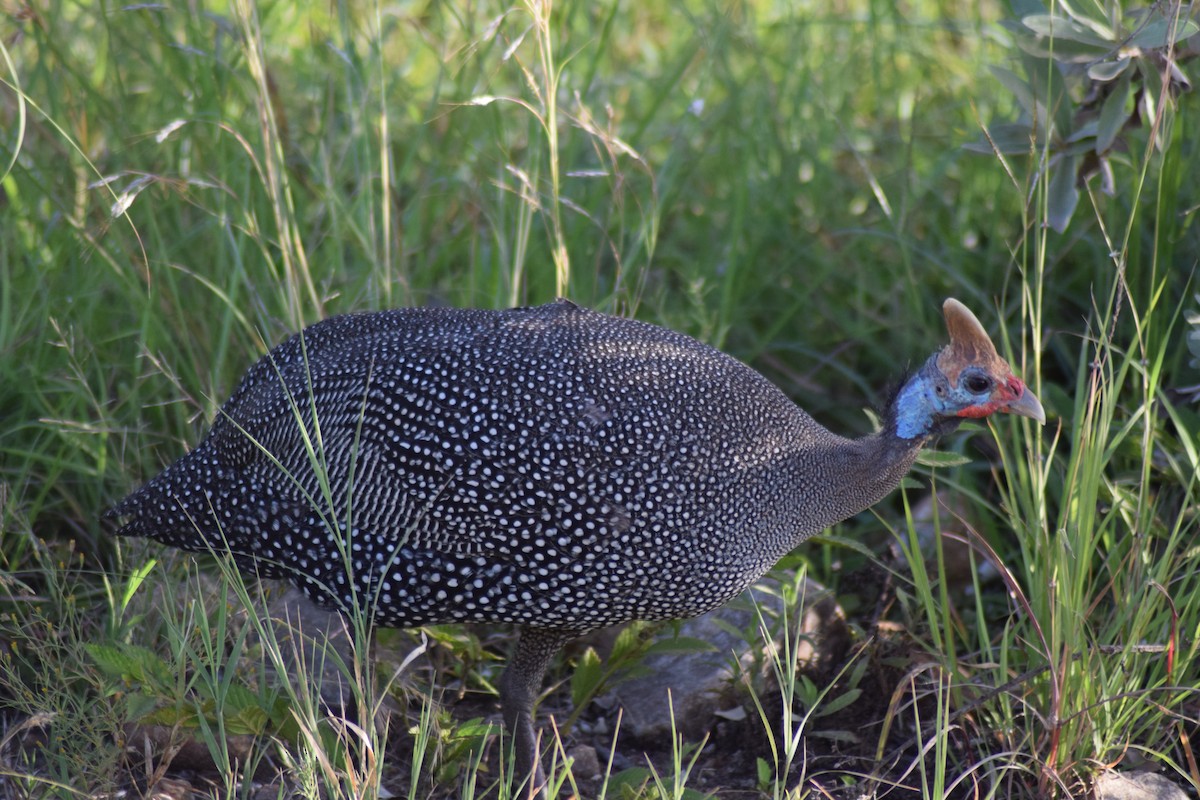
(1026, 404)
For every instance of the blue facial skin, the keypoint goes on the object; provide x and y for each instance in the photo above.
(928, 398)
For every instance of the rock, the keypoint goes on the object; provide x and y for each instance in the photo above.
(950, 517)
(701, 684)
(313, 640)
(1137, 786)
(183, 751)
(585, 763)
(170, 789)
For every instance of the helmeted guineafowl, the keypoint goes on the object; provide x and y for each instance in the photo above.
(551, 467)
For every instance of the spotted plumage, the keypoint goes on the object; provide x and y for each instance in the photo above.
(552, 467)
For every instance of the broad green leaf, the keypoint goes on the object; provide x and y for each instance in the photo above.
(1062, 50)
(1113, 114)
(141, 706)
(587, 677)
(287, 726)
(680, 644)
(765, 773)
(859, 671)
(136, 579)
(628, 642)
(1050, 92)
(807, 691)
(1098, 24)
(629, 781)
(250, 720)
(1019, 87)
(238, 697)
(1023, 8)
(171, 716)
(1063, 194)
(1160, 32)
(1010, 139)
(1152, 88)
(1087, 130)
(942, 458)
(475, 728)
(1059, 27)
(836, 704)
(1079, 148)
(130, 663)
(112, 661)
(854, 545)
(727, 627)
(1106, 71)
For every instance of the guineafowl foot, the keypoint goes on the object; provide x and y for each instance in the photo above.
(519, 689)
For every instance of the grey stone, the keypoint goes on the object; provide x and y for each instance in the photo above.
(1137, 786)
(700, 685)
(314, 641)
(951, 518)
(585, 762)
(318, 646)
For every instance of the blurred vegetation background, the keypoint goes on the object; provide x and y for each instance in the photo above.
(798, 183)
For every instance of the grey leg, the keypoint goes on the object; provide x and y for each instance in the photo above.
(519, 689)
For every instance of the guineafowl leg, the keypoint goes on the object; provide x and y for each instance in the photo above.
(519, 689)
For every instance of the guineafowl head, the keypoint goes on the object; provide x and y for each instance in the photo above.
(967, 379)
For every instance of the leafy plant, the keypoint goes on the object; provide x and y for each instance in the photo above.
(633, 645)
(59, 722)
(1092, 74)
(149, 686)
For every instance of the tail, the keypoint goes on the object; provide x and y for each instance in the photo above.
(130, 517)
(177, 507)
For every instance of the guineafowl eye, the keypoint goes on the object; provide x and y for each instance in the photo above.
(978, 384)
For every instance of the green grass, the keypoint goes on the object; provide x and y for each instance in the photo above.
(185, 185)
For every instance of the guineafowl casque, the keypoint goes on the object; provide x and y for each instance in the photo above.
(551, 467)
